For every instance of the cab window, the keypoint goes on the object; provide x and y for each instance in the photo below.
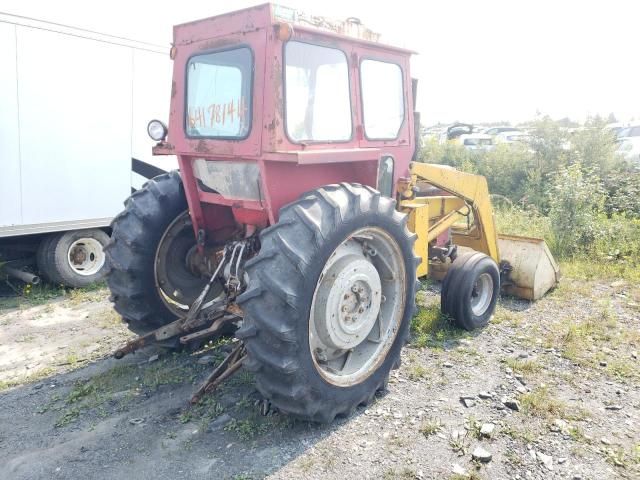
(318, 106)
(219, 94)
(382, 99)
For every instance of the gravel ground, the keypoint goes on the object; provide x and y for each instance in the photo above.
(548, 390)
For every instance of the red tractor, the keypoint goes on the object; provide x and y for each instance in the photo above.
(296, 215)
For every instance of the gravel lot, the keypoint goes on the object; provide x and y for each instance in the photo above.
(548, 390)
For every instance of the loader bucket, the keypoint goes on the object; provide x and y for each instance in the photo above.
(533, 269)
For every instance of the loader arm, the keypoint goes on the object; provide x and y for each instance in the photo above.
(468, 191)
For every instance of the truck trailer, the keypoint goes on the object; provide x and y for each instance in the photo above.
(73, 114)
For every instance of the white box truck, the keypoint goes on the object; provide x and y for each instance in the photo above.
(74, 107)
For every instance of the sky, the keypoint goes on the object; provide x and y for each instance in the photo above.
(478, 61)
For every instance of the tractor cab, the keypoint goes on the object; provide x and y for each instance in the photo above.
(259, 91)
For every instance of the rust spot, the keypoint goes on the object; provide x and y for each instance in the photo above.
(201, 147)
(217, 43)
(173, 89)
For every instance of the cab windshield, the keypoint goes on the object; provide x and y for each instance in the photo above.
(219, 94)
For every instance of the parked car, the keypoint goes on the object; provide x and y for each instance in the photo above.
(629, 146)
(476, 141)
(616, 128)
(497, 130)
(512, 136)
(455, 131)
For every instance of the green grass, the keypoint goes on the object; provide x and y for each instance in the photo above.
(526, 433)
(540, 402)
(523, 366)
(248, 428)
(97, 392)
(206, 410)
(430, 427)
(598, 261)
(431, 328)
(34, 377)
(35, 295)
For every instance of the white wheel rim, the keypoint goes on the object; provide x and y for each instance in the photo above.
(357, 307)
(85, 256)
(482, 294)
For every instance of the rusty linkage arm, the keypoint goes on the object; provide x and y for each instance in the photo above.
(228, 367)
(219, 311)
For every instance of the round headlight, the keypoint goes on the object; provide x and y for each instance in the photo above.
(157, 130)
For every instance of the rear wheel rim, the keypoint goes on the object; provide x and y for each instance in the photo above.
(175, 281)
(85, 256)
(358, 307)
(482, 294)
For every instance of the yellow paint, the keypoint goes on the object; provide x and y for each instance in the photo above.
(533, 270)
(467, 191)
(418, 219)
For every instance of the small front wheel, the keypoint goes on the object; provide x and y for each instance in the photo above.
(470, 290)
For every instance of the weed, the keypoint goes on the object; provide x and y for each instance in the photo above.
(459, 443)
(417, 372)
(69, 415)
(523, 366)
(622, 368)
(81, 391)
(403, 474)
(92, 293)
(473, 427)
(526, 434)
(205, 410)
(577, 434)
(540, 402)
(618, 457)
(503, 315)
(246, 429)
(34, 377)
(430, 327)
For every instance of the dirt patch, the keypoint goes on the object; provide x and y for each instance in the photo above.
(548, 390)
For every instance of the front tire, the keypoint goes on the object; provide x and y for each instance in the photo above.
(290, 305)
(470, 290)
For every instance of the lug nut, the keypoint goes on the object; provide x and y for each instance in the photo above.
(354, 289)
(360, 310)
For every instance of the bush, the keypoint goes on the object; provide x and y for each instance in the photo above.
(568, 187)
(623, 192)
(575, 201)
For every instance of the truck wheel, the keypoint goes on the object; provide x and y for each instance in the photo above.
(75, 258)
(149, 254)
(470, 290)
(329, 302)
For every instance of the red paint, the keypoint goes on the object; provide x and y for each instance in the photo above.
(286, 169)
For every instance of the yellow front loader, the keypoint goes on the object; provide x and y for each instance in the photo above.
(447, 207)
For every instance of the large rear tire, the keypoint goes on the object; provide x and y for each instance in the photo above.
(138, 248)
(329, 302)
